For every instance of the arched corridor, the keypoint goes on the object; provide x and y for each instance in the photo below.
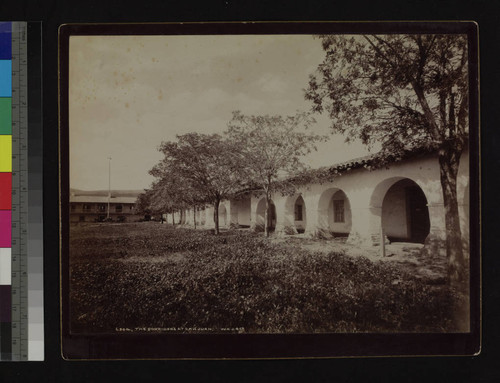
(405, 215)
(334, 213)
(299, 215)
(260, 216)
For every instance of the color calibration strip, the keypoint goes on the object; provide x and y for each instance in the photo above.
(21, 266)
(5, 191)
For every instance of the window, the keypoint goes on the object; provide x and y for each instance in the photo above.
(118, 208)
(298, 212)
(87, 207)
(338, 211)
(102, 207)
(73, 207)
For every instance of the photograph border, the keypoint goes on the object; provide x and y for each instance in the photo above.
(270, 346)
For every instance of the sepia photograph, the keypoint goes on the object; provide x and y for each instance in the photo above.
(269, 184)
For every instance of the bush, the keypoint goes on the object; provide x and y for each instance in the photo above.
(289, 230)
(159, 276)
(259, 228)
(323, 234)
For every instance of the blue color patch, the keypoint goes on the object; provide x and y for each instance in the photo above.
(5, 46)
(5, 78)
(5, 41)
(6, 27)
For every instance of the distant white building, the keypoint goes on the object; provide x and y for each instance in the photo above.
(86, 207)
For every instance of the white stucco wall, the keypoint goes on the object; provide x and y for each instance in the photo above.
(394, 212)
(363, 192)
(241, 211)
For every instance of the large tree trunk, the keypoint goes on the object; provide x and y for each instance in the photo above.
(449, 161)
(266, 216)
(216, 216)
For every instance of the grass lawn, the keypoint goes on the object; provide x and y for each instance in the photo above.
(153, 277)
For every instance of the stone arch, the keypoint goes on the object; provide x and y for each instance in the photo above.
(295, 217)
(334, 213)
(403, 208)
(241, 211)
(260, 215)
(300, 214)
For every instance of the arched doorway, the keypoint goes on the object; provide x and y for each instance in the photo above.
(299, 215)
(405, 215)
(334, 213)
(260, 216)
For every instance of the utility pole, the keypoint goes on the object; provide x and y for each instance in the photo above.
(109, 183)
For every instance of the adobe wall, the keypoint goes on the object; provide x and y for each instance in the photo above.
(363, 192)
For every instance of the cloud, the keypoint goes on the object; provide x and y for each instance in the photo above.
(272, 84)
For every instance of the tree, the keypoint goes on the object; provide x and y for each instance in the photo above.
(203, 169)
(171, 192)
(143, 202)
(271, 149)
(406, 92)
(154, 200)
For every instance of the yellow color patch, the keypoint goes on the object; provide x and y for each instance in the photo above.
(5, 153)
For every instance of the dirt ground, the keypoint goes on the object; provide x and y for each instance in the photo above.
(409, 256)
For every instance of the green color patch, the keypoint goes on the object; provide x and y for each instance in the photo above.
(5, 115)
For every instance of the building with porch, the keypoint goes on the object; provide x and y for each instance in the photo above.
(400, 202)
(88, 206)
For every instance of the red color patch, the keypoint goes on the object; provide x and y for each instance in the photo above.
(5, 191)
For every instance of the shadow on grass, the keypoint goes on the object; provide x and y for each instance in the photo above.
(153, 276)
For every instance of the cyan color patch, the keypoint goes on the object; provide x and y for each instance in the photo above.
(5, 78)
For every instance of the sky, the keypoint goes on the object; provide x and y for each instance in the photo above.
(127, 94)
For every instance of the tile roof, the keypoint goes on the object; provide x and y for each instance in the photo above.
(100, 199)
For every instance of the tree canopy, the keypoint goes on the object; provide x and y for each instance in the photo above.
(271, 149)
(406, 92)
(403, 91)
(198, 169)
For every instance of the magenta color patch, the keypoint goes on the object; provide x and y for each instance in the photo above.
(5, 228)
